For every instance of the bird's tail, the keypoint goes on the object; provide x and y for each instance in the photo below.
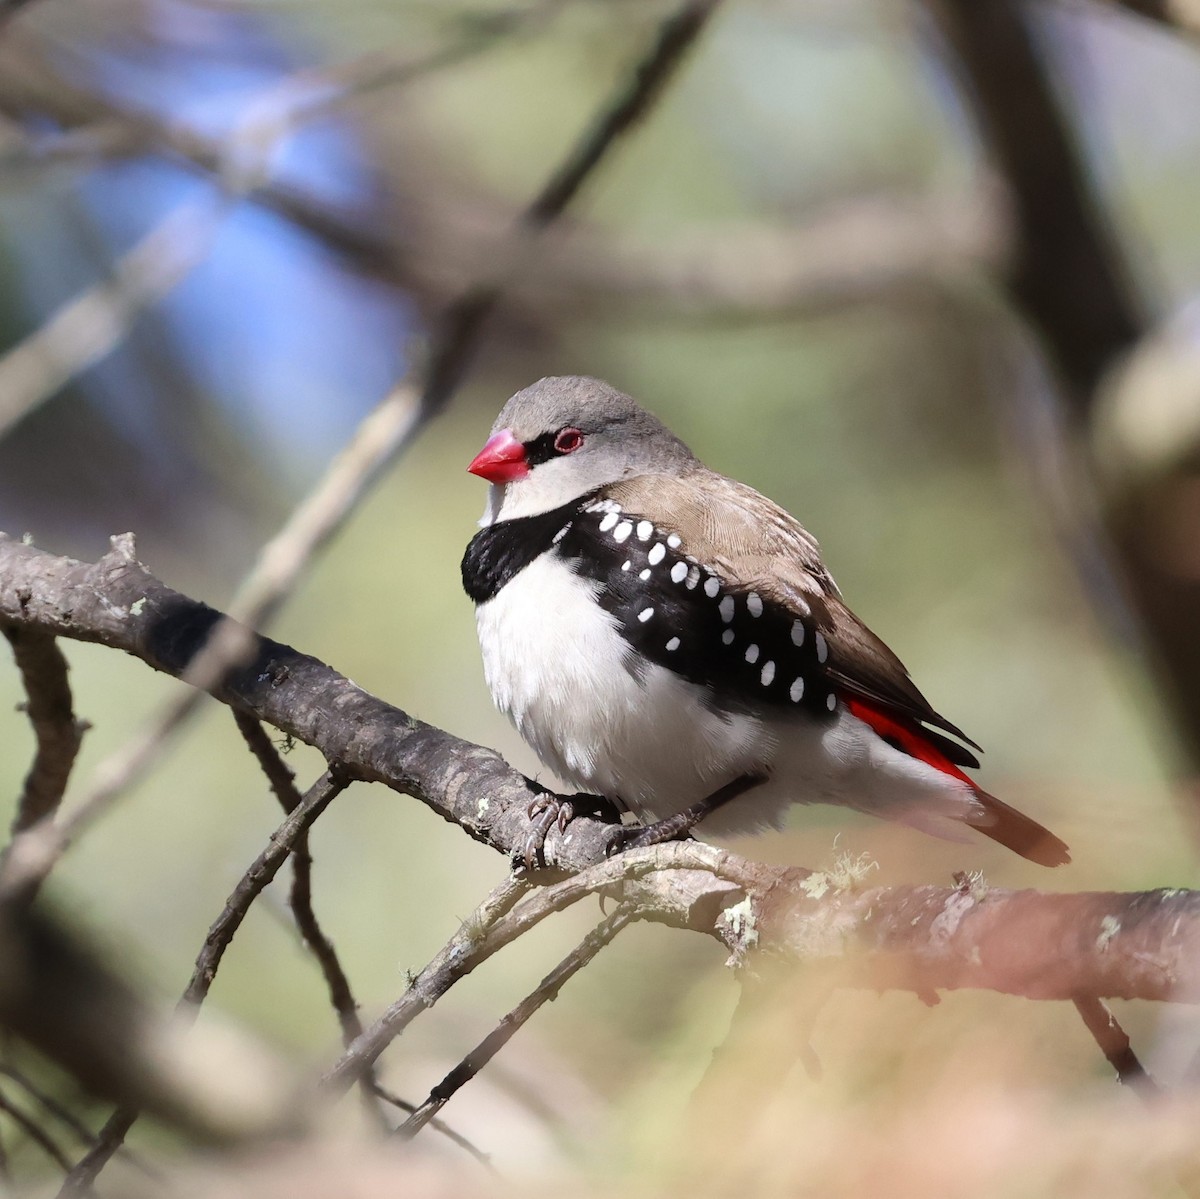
(1017, 831)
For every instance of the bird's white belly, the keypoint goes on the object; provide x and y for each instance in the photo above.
(647, 738)
(559, 669)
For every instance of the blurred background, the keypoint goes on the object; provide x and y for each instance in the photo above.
(851, 257)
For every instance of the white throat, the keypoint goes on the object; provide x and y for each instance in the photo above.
(549, 486)
(491, 509)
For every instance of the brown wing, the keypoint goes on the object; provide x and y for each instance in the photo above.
(754, 543)
(865, 666)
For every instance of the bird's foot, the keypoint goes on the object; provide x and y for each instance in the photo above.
(679, 826)
(548, 811)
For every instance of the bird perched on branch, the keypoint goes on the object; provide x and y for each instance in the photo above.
(669, 639)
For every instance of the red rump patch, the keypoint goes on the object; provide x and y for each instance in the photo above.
(905, 734)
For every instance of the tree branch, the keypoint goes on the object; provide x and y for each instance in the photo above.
(1070, 282)
(283, 785)
(852, 253)
(51, 712)
(36, 1133)
(337, 983)
(1141, 945)
(545, 992)
(1066, 275)
(1115, 1045)
(472, 943)
(262, 870)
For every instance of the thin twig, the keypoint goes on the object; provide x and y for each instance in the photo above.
(98, 124)
(676, 36)
(509, 912)
(634, 97)
(91, 325)
(545, 992)
(471, 944)
(109, 1140)
(261, 871)
(264, 868)
(280, 775)
(441, 1126)
(36, 1133)
(43, 668)
(283, 785)
(282, 780)
(65, 1116)
(51, 1105)
(1115, 1045)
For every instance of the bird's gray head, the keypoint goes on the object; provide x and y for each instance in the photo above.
(565, 436)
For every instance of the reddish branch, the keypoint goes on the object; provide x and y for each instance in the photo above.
(1045, 946)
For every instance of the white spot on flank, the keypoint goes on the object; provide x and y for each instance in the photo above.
(796, 691)
(645, 614)
(752, 654)
(727, 636)
(674, 541)
(609, 520)
(726, 609)
(678, 572)
(768, 674)
(711, 586)
(644, 529)
(754, 604)
(562, 533)
(831, 701)
(644, 574)
(622, 531)
(693, 577)
(657, 553)
(822, 647)
(626, 564)
(798, 632)
(672, 645)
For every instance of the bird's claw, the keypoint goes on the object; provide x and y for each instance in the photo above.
(640, 836)
(679, 826)
(544, 813)
(547, 811)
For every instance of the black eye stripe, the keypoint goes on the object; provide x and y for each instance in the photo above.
(542, 449)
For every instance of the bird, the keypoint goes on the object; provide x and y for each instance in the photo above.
(669, 640)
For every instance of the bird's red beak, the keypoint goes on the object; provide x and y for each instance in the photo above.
(501, 460)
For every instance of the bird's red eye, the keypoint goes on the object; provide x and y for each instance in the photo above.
(568, 441)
